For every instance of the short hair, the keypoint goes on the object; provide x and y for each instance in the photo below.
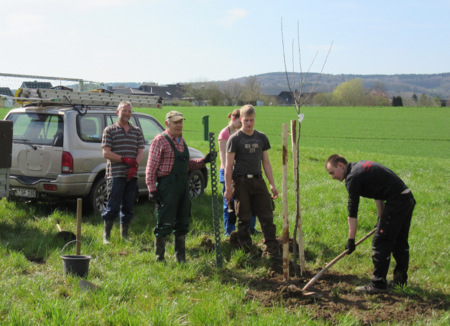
(124, 103)
(335, 159)
(236, 113)
(247, 110)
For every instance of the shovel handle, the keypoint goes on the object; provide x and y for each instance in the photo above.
(334, 261)
(79, 211)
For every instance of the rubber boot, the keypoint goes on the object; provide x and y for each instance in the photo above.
(160, 248)
(180, 248)
(107, 231)
(124, 227)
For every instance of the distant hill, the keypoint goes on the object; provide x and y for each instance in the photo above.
(394, 85)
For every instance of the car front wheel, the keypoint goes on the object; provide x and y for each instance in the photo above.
(196, 184)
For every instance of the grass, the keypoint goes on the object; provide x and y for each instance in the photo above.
(135, 290)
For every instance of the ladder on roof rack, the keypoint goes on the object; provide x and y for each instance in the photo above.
(67, 97)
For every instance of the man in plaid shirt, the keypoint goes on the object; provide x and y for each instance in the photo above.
(167, 180)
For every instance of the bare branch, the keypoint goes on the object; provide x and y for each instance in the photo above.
(284, 58)
(296, 94)
(320, 74)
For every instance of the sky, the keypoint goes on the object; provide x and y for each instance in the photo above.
(171, 41)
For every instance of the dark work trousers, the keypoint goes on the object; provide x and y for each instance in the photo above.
(229, 218)
(391, 237)
(122, 194)
(251, 195)
(175, 205)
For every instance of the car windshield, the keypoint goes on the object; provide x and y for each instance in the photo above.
(37, 128)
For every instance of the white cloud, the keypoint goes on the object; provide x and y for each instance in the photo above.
(103, 3)
(20, 23)
(233, 16)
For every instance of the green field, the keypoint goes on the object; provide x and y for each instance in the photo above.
(134, 290)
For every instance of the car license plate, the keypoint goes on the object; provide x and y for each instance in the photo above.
(24, 192)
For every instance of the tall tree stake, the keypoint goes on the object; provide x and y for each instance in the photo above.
(285, 207)
(298, 230)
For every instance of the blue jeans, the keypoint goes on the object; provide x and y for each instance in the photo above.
(230, 227)
(121, 200)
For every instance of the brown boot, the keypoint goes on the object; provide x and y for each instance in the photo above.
(160, 248)
(107, 231)
(124, 227)
(180, 248)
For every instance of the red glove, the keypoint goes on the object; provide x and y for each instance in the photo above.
(129, 161)
(131, 172)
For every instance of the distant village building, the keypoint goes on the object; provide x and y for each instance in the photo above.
(4, 102)
(62, 88)
(36, 84)
(286, 98)
(169, 93)
(6, 91)
(130, 91)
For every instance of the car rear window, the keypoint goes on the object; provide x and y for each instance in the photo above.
(37, 128)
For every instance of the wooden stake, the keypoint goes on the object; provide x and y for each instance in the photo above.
(298, 231)
(285, 207)
(79, 211)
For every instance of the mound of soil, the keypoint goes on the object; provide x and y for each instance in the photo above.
(334, 294)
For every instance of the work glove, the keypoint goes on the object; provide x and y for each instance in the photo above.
(350, 246)
(131, 172)
(211, 156)
(154, 196)
(131, 162)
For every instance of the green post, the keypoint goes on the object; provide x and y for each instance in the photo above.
(205, 127)
(216, 197)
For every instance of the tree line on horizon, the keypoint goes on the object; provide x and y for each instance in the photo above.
(348, 93)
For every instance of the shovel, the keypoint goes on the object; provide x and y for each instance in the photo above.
(65, 235)
(334, 261)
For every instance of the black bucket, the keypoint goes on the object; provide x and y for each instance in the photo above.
(76, 265)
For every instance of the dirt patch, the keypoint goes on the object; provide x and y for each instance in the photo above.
(36, 259)
(206, 244)
(334, 296)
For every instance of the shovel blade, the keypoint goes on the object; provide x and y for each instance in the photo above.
(87, 286)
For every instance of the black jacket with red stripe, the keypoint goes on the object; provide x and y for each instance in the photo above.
(371, 180)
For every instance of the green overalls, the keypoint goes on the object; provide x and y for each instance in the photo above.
(175, 206)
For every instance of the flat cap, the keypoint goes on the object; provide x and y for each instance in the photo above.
(174, 116)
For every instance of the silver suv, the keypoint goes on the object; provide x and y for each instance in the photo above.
(57, 154)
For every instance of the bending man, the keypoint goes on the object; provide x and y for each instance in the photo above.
(395, 205)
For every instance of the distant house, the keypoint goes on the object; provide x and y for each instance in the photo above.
(6, 91)
(130, 91)
(167, 92)
(286, 98)
(36, 84)
(4, 102)
(62, 88)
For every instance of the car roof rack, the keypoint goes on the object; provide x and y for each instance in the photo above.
(66, 97)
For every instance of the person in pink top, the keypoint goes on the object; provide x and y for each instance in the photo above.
(229, 217)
